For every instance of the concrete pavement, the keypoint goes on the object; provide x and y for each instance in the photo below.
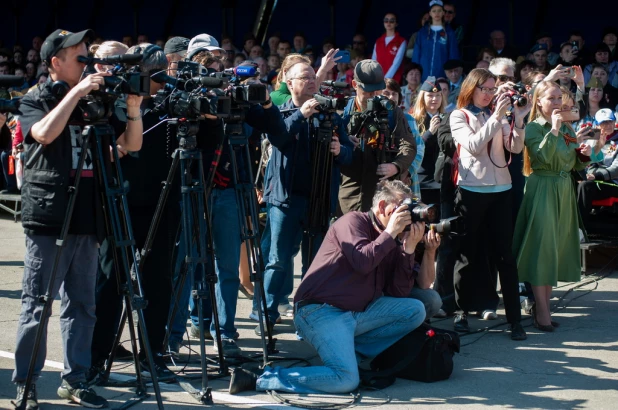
(574, 368)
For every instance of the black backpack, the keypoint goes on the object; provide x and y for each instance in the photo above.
(425, 355)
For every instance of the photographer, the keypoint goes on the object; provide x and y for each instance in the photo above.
(353, 304)
(484, 195)
(51, 121)
(359, 179)
(289, 180)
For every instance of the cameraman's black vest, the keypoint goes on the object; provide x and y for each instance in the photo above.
(46, 173)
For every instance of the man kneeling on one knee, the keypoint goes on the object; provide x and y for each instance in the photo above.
(360, 296)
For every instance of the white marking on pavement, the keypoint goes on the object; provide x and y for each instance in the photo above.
(48, 363)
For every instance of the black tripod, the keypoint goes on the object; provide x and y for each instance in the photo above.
(196, 229)
(119, 232)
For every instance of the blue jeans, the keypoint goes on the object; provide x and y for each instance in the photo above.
(226, 237)
(341, 338)
(429, 298)
(75, 281)
(280, 244)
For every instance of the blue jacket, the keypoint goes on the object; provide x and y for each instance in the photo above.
(289, 168)
(434, 48)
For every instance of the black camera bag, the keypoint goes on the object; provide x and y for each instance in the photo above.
(425, 355)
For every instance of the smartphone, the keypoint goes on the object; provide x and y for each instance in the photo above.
(593, 134)
(570, 115)
(345, 56)
(569, 72)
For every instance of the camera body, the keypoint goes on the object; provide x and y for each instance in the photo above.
(331, 96)
(421, 212)
(518, 96)
(380, 104)
(570, 72)
(9, 106)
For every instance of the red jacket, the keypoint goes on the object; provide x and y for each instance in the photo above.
(386, 54)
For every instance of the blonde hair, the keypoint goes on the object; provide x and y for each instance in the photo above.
(419, 110)
(539, 91)
(287, 63)
(108, 48)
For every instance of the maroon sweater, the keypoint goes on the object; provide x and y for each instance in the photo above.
(356, 265)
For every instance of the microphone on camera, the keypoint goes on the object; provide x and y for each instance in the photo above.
(208, 82)
(11, 80)
(130, 59)
(335, 84)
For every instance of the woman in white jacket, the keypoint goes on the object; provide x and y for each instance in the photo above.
(483, 197)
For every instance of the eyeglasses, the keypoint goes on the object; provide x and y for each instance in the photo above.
(390, 20)
(487, 90)
(505, 78)
(304, 79)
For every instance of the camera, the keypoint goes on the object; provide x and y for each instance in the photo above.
(331, 96)
(421, 212)
(569, 72)
(248, 93)
(380, 103)
(9, 106)
(518, 95)
(574, 46)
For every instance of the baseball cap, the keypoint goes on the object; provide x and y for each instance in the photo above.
(178, 45)
(202, 42)
(435, 3)
(604, 114)
(61, 39)
(369, 76)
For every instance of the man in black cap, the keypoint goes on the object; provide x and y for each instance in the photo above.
(175, 50)
(454, 73)
(359, 179)
(51, 121)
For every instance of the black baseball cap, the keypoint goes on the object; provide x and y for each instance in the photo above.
(369, 75)
(61, 39)
(178, 45)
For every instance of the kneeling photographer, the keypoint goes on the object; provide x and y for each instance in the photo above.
(385, 144)
(355, 300)
(52, 122)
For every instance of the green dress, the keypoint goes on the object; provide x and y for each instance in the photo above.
(546, 238)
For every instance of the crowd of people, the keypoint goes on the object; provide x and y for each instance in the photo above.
(469, 137)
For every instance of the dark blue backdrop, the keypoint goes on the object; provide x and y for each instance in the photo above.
(194, 17)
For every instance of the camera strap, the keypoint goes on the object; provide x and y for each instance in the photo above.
(506, 150)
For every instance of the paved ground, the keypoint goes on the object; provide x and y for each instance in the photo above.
(573, 368)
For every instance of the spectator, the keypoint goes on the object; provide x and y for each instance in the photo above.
(539, 56)
(262, 67)
(523, 70)
(426, 114)
(142, 38)
(582, 53)
(446, 92)
(546, 238)
(610, 93)
(33, 57)
(31, 73)
(413, 82)
(10, 183)
(5, 68)
(484, 197)
(359, 43)
(273, 43)
(238, 59)
(283, 49)
(5, 56)
(327, 45)
(545, 38)
(610, 37)
(497, 40)
(390, 49)
(449, 18)
(482, 64)
(274, 62)
(256, 51)
(127, 40)
(601, 57)
(249, 42)
(300, 42)
(592, 104)
(18, 58)
(486, 54)
(410, 48)
(435, 43)
(308, 51)
(230, 53)
(454, 73)
(567, 57)
(37, 42)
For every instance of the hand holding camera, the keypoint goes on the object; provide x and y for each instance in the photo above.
(412, 237)
(502, 105)
(431, 240)
(309, 107)
(400, 219)
(90, 83)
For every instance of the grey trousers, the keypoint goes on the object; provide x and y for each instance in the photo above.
(75, 281)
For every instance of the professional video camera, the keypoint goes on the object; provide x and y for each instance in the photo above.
(125, 78)
(421, 212)
(331, 96)
(375, 120)
(518, 96)
(12, 105)
(250, 93)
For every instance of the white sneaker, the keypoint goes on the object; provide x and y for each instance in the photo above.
(286, 310)
(489, 315)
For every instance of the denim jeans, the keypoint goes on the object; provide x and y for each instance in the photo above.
(75, 281)
(429, 298)
(226, 237)
(341, 338)
(285, 228)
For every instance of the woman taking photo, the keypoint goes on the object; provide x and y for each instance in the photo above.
(390, 49)
(484, 197)
(436, 43)
(546, 239)
(426, 112)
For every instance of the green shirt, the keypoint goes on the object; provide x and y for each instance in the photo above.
(281, 95)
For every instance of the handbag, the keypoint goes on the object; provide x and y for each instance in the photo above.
(425, 355)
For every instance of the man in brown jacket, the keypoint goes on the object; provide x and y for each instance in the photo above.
(359, 179)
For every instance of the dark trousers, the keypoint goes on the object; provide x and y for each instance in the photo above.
(10, 183)
(447, 250)
(589, 191)
(488, 222)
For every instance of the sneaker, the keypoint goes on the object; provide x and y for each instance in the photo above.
(440, 314)
(81, 394)
(518, 332)
(163, 373)
(194, 332)
(286, 310)
(31, 401)
(96, 370)
(461, 323)
(254, 316)
(489, 314)
(230, 348)
(258, 331)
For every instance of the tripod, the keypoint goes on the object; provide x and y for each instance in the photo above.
(120, 233)
(194, 195)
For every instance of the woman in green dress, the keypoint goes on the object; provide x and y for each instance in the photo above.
(546, 238)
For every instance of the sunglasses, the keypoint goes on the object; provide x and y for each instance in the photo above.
(390, 20)
(505, 78)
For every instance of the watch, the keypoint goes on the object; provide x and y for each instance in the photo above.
(139, 117)
(265, 103)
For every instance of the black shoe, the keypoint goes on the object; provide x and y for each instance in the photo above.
(461, 323)
(81, 394)
(271, 327)
(96, 370)
(163, 373)
(123, 354)
(518, 332)
(31, 401)
(242, 380)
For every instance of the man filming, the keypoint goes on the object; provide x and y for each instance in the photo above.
(353, 304)
(52, 125)
(359, 179)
